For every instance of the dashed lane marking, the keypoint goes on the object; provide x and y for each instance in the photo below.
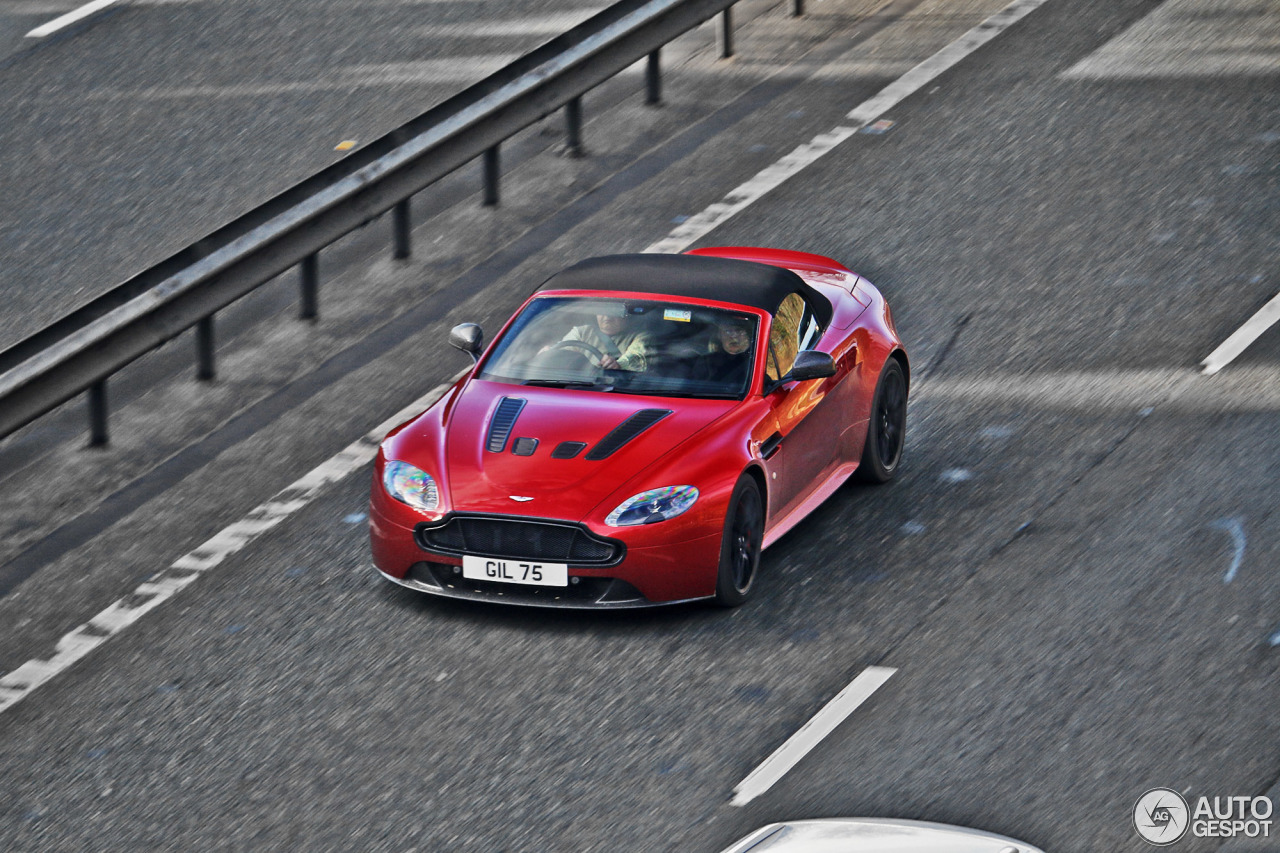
(1240, 339)
(747, 194)
(68, 19)
(151, 593)
(811, 734)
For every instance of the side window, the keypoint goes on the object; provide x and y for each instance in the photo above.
(794, 329)
(810, 331)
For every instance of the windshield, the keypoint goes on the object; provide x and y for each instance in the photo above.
(628, 346)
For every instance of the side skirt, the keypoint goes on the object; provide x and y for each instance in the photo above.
(828, 486)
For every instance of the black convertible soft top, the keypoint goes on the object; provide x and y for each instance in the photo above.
(697, 276)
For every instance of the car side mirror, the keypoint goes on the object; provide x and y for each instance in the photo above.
(468, 338)
(811, 364)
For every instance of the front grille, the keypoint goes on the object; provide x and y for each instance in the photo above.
(520, 539)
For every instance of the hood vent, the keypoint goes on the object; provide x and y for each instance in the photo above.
(568, 449)
(504, 420)
(524, 446)
(625, 432)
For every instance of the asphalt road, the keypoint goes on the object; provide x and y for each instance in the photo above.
(1073, 578)
(135, 132)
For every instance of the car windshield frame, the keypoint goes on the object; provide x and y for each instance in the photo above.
(608, 343)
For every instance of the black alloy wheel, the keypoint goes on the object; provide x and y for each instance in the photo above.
(740, 546)
(887, 430)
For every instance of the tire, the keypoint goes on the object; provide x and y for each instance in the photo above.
(740, 545)
(887, 429)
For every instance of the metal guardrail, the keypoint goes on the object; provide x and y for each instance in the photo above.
(79, 352)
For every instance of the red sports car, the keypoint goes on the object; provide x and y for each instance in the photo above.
(641, 429)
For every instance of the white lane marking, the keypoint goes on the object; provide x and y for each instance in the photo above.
(1235, 528)
(68, 19)
(742, 197)
(810, 734)
(150, 594)
(1240, 339)
(934, 66)
(739, 199)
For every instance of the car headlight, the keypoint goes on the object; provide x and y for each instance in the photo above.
(652, 506)
(411, 486)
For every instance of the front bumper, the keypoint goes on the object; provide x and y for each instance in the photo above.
(601, 594)
(650, 573)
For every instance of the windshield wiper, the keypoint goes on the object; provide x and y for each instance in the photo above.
(642, 392)
(565, 383)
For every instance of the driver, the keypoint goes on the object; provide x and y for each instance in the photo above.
(611, 334)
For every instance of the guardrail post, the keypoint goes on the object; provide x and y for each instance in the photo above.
(653, 80)
(726, 33)
(98, 414)
(797, 10)
(491, 177)
(204, 348)
(573, 127)
(309, 273)
(401, 225)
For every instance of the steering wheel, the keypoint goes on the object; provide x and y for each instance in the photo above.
(582, 345)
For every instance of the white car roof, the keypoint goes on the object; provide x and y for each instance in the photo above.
(874, 835)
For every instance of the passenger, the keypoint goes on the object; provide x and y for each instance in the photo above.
(623, 349)
(730, 363)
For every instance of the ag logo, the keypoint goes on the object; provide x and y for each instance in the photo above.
(1161, 816)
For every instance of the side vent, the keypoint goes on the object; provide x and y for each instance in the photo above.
(626, 431)
(568, 449)
(504, 420)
